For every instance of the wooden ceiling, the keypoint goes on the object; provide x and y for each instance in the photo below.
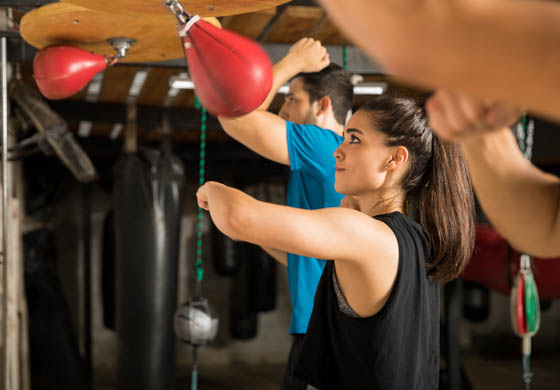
(284, 25)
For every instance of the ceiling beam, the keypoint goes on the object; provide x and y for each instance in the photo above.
(148, 117)
(292, 24)
(24, 3)
(358, 62)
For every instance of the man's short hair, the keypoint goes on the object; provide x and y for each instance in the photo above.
(334, 82)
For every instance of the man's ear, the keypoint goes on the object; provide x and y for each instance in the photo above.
(323, 105)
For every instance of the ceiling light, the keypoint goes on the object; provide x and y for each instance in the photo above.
(182, 82)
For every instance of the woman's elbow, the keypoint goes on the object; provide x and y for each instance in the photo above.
(234, 224)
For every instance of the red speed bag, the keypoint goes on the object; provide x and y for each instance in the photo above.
(61, 71)
(232, 75)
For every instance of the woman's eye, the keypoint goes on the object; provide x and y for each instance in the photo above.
(354, 139)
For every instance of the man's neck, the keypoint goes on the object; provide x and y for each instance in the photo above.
(333, 125)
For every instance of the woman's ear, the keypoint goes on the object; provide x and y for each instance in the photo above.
(399, 157)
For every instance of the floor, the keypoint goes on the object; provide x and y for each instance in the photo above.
(484, 373)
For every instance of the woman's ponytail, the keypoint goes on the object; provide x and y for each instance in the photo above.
(445, 206)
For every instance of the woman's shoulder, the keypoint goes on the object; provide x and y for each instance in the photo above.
(398, 219)
(405, 228)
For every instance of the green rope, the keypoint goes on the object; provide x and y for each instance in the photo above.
(198, 266)
(345, 57)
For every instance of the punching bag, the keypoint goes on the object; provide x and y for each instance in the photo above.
(55, 356)
(108, 266)
(243, 321)
(476, 302)
(232, 74)
(224, 253)
(148, 192)
(261, 278)
(61, 70)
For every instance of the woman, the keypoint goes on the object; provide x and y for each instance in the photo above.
(375, 323)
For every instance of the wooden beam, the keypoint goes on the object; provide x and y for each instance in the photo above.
(156, 86)
(185, 98)
(293, 24)
(251, 24)
(326, 32)
(114, 89)
(116, 83)
(148, 117)
(24, 3)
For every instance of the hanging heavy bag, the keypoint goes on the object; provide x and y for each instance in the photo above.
(493, 263)
(476, 302)
(55, 356)
(243, 321)
(108, 280)
(261, 278)
(224, 253)
(147, 197)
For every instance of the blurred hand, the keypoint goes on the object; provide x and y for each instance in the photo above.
(309, 55)
(459, 118)
(350, 202)
(202, 195)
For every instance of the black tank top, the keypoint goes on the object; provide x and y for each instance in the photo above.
(397, 348)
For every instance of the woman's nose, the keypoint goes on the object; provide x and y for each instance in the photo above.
(338, 153)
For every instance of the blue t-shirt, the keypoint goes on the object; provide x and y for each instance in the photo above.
(311, 186)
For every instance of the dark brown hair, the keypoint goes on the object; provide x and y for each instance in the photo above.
(334, 82)
(437, 183)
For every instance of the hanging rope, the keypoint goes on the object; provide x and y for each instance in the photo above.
(198, 265)
(345, 57)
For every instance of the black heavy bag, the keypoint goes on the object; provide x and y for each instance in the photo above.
(224, 253)
(243, 321)
(108, 270)
(147, 199)
(476, 302)
(55, 357)
(261, 278)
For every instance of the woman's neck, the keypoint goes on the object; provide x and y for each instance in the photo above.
(381, 202)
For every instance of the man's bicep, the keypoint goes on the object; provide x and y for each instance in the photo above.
(262, 132)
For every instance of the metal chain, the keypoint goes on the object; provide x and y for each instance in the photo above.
(178, 10)
(525, 132)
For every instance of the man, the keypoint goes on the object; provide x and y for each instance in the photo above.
(521, 201)
(304, 136)
(503, 50)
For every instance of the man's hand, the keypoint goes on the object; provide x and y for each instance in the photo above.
(308, 55)
(459, 118)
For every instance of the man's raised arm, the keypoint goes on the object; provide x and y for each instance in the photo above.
(262, 131)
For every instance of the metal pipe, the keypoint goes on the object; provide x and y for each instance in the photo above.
(4, 217)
